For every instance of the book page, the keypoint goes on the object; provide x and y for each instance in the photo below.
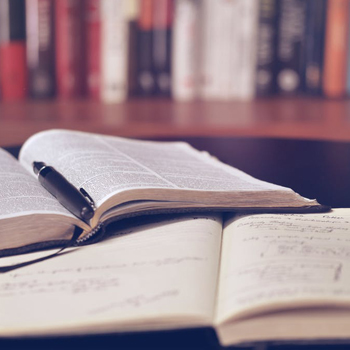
(160, 275)
(21, 194)
(105, 165)
(272, 262)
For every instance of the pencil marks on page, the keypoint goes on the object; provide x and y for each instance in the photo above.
(154, 270)
(274, 258)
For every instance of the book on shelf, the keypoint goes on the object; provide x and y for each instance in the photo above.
(163, 13)
(265, 82)
(40, 48)
(290, 46)
(336, 47)
(114, 51)
(92, 24)
(314, 46)
(185, 50)
(69, 48)
(123, 178)
(252, 278)
(146, 85)
(13, 66)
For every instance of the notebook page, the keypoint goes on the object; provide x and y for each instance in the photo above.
(158, 276)
(284, 261)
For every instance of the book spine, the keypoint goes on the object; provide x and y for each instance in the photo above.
(290, 46)
(210, 41)
(185, 50)
(13, 67)
(227, 24)
(247, 47)
(265, 83)
(40, 48)
(161, 46)
(92, 14)
(133, 11)
(114, 53)
(335, 58)
(314, 46)
(145, 77)
(69, 48)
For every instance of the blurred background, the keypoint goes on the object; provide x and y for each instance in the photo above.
(175, 68)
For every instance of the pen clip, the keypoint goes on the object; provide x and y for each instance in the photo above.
(88, 197)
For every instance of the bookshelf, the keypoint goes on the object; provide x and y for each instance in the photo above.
(293, 118)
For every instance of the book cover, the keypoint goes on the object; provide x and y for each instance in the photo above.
(161, 45)
(265, 83)
(13, 67)
(314, 46)
(70, 70)
(290, 46)
(336, 45)
(92, 16)
(40, 48)
(145, 78)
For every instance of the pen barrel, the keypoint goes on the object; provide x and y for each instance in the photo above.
(67, 194)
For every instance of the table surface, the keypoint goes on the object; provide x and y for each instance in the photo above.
(315, 169)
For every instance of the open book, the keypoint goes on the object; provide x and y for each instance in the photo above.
(124, 178)
(252, 278)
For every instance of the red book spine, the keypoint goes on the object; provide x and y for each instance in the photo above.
(13, 71)
(93, 47)
(69, 48)
(13, 67)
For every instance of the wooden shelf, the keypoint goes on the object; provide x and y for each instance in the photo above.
(296, 118)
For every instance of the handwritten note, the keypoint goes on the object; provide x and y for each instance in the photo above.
(153, 273)
(284, 261)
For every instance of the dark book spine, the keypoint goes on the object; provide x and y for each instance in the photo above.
(92, 12)
(13, 66)
(161, 49)
(40, 48)
(145, 76)
(266, 48)
(290, 46)
(70, 67)
(314, 46)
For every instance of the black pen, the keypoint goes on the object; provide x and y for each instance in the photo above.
(77, 202)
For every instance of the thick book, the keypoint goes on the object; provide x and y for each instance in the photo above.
(40, 47)
(123, 178)
(251, 278)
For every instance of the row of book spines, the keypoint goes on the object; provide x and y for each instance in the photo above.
(312, 44)
(321, 69)
(117, 47)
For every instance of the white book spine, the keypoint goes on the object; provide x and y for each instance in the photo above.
(185, 50)
(114, 51)
(247, 45)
